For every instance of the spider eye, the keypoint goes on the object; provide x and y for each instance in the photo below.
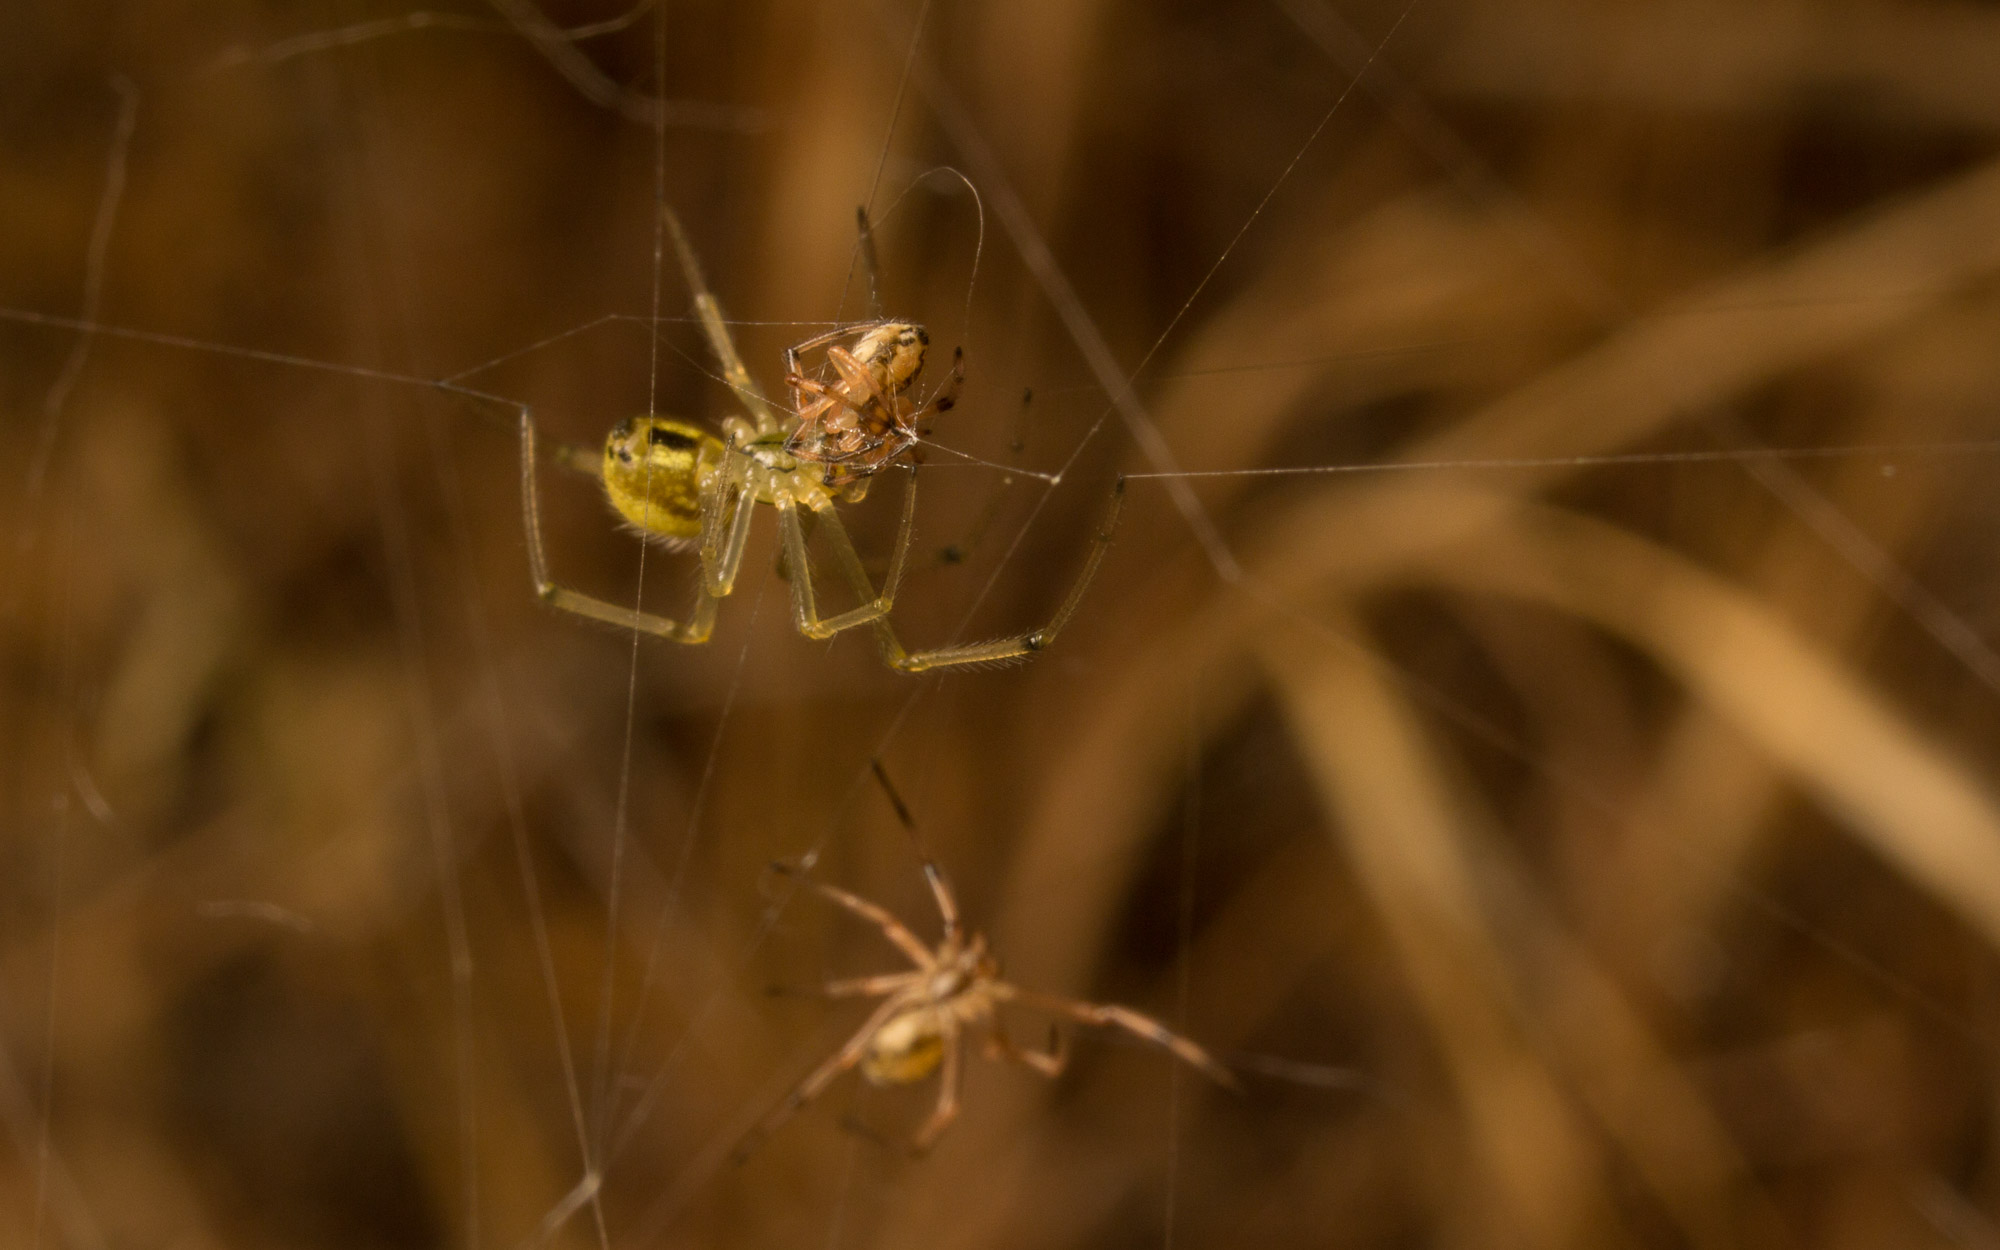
(673, 440)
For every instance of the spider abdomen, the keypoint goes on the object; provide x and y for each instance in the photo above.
(908, 1048)
(653, 472)
(894, 353)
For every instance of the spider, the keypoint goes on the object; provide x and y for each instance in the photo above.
(864, 422)
(680, 485)
(925, 1013)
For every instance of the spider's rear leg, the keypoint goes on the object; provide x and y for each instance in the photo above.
(874, 607)
(999, 650)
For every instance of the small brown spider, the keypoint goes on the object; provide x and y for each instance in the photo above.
(956, 988)
(864, 421)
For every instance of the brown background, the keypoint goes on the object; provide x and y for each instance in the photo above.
(1568, 854)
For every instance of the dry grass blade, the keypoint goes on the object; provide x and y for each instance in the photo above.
(1426, 854)
(1903, 793)
(1394, 817)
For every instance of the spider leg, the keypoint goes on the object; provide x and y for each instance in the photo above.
(714, 503)
(712, 325)
(858, 388)
(825, 401)
(722, 559)
(826, 395)
(854, 378)
(941, 891)
(845, 330)
(868, 987)
(873, 607)
(946, 398)
(873, 913)
(812, 402)
(859, 382)
(815, 1084)
(1050, 1063)
(947, 1103)
(1003, 650)
(805, 608)
(1136, 1023)
(850, 987)
(870, 263)
(817, 404)
(695, 630)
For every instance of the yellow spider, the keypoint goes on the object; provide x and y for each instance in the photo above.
(679, 485)
(926, 1013)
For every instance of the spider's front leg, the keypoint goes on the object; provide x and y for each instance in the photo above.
(714, 327)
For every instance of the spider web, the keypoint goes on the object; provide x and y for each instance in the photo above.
(1524, 724)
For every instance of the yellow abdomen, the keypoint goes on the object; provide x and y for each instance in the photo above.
(654, 469)
(905, 1049)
